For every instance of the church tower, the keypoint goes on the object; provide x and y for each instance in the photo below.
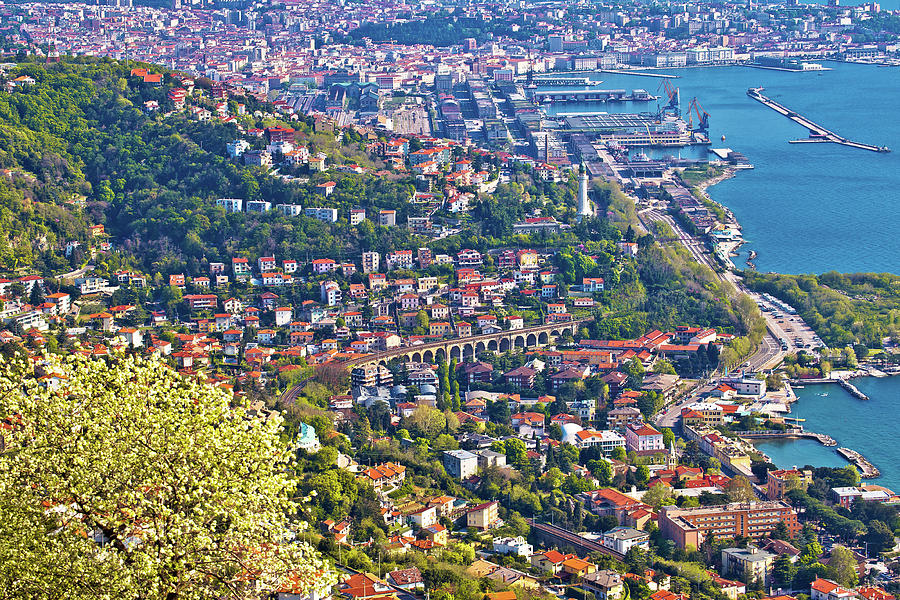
(672, 458)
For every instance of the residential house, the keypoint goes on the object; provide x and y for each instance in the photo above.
(515, 546)
(423, 517)
(605, 584)
(623, 539)
(550, 562)
(521, 377)
(826, 589)
(461, 464)
(751, 565)
(484, 516)
(409, 579)
(640, 437)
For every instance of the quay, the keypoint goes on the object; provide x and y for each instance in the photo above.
(854, 391)
(851, 389)
(566, 81)
(867, 469)
(817, 132)
(638, 73)
(592, 96)
(793, 433)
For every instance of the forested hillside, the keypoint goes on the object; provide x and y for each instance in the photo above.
(80, 132)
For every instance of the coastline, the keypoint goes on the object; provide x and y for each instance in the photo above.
(867, 469)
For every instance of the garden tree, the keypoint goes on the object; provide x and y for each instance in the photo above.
(664, 367)
(444, 442)
(783, 571)
(190, 496)
(760, 468)
(552, 479)
(516, 452)
(642, 474)
(668, 436)
(607, 522)
(574, 484)
(649, 403)
(636, 560)
(618, 453)
(567, 456)
(426, 421)
(499, 411)
(827, 516)
(806, 574)
(658, 496)
(635, 371)
(842, 567)
(36, 297)
(810, 553)
(739, 489)
(555, 431)
(602, 470)
(774, 382)
(879, 537)
(781, 531)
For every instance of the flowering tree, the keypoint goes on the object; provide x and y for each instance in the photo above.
(121, 479)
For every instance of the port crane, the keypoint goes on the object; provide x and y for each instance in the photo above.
(702, 116)
(674, 95)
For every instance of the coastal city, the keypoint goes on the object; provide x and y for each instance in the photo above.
(378, 301)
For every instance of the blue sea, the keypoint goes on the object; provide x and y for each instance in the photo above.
(805, 208)
(863, 425)
(809, 208)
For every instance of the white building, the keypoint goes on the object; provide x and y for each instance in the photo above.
(516, 546)
(460, 463)
(290, 210)
(231, 204)
(606, 440)
(331, 293)
(641, 437)
(371, 261)
(258, 206)
(329, 215)
(622, 539)
(584, 204)
(746, 386)
(237, 148)
(357, 215)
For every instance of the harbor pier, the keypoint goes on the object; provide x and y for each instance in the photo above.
(792, 433)
(817, 133)
(866, 469)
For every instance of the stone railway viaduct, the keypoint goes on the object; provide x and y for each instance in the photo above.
(467, 347)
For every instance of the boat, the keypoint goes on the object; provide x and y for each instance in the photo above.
(723, 137)
(824, 394)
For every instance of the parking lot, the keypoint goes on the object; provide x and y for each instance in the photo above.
(787, 325)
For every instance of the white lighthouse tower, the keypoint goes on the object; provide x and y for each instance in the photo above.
(584, 205)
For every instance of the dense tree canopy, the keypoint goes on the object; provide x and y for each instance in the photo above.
(122, 479)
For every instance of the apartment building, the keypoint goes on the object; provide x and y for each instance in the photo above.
(690, 526)
(781, 481)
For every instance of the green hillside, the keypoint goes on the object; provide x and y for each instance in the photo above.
(81, 131)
